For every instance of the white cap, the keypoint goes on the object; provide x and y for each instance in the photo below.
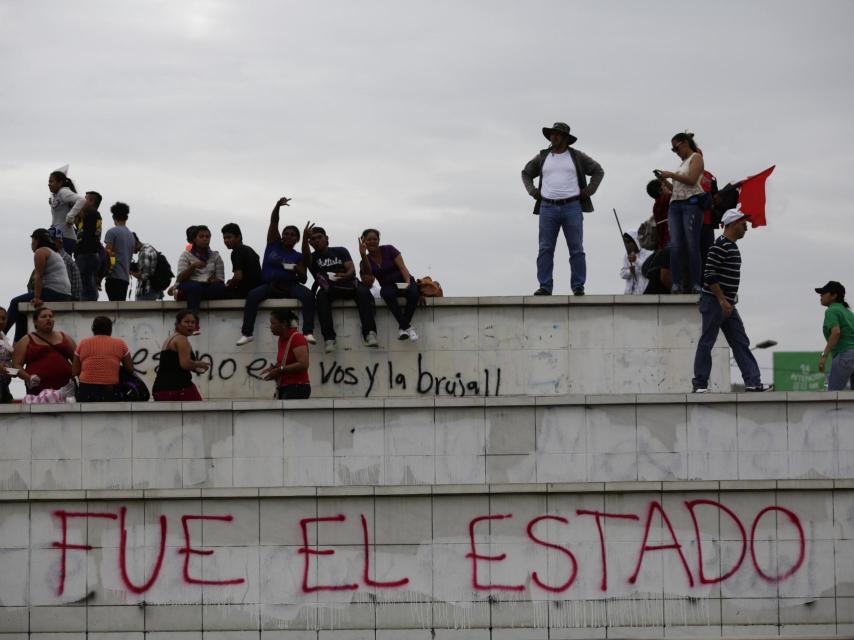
(733, 215)
(63, 169)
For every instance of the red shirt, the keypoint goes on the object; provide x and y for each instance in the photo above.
(299, 377)
(51, 363)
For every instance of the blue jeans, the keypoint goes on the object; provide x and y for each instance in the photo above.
(685, 221)
(89, 264)
(296, 291)
(151, 295)
(16, 319)
(841, 371)
(390, 293)
(714, 321)
(198, 291)
(361, 295)
(552, 219)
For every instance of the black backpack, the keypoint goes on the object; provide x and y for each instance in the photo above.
(162, 276)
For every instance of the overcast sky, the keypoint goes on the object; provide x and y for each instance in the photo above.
(416, 118)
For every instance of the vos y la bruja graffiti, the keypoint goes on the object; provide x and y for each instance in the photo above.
(424, 382)
(477, 555)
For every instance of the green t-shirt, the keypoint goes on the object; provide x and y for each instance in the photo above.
(838, 314)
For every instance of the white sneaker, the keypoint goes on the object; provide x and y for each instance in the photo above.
(403, 334)
(371, 339)
(329, 347)
(413, 337)
(244, 340)
(309, 338)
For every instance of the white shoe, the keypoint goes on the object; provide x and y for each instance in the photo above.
(403, 334)
(309, 338)
(329, 347)
(371, 339)
(244, 340)
(413, 337)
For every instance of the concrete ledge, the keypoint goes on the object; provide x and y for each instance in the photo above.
(840, 398)
(606, 488)
(483, 347)
(449, 301)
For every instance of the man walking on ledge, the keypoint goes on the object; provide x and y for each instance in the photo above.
(717, 306)
(562, 196)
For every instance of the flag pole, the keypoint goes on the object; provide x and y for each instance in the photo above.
(620, 227)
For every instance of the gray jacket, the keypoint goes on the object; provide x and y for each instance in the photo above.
(584, 166)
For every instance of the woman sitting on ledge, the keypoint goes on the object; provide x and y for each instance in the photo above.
(385, 264)
(50, 281)
(174, 381)
(43, 357)
(201, 272)
(97, 362)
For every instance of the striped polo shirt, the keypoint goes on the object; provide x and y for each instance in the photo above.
(723, 266)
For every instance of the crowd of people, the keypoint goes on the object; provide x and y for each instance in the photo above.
(72, 262)
(674, 252)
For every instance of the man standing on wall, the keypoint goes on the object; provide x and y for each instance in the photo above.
(88, 251)
(562, 196)
(717, 306)
(120, 245)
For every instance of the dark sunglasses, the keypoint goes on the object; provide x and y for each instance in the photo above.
(675, 148)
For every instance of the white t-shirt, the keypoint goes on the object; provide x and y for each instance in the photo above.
(559, 177)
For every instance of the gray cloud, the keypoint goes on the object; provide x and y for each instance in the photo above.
(417, 118)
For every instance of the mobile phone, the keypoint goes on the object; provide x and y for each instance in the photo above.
(656, 173)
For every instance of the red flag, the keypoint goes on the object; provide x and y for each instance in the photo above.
(751, 198)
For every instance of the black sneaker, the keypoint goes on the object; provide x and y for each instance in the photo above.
(701, 389)
(542, 292)
(578, 291)
(759, 388)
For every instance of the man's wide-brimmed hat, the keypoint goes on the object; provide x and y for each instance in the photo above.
(560, 127)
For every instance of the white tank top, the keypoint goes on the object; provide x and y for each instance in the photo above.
(55, 274)
(683, 191)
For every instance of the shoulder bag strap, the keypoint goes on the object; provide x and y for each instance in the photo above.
(51, 345)
(285, 352)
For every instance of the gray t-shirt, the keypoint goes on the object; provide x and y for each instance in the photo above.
(123, 243)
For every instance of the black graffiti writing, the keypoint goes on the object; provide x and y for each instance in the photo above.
(426, 382)
(338, 374)
(255, 367)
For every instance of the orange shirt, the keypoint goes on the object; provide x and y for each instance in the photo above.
(100, 359)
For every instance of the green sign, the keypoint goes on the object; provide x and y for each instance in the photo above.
(798, 371)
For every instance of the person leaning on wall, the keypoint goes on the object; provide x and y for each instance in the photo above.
(174, 381)
(97, 361)
(290, 370)
(42, 359)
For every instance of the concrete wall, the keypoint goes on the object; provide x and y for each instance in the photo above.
(428, 442)
(571, 517)
(469, 346)
(500, 565)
